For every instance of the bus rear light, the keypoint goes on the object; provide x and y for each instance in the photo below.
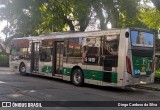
(128, 64)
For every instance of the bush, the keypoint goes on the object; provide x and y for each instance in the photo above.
(157, 73)
(4, 60)
(157, 76)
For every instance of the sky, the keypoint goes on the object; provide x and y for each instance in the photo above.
(2, 25)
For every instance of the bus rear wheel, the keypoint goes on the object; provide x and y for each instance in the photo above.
(77, 77)
(22, 69)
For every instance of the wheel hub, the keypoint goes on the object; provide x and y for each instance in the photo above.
(77, 77)
(23, 69)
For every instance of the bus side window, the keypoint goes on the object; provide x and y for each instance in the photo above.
(110, 51)
(72, 50)
(90, 55)
(19, 53)
(90, 50)
(45, 54)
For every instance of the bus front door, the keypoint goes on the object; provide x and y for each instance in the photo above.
(35, 57)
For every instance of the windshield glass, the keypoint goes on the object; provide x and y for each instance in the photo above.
(143, 39)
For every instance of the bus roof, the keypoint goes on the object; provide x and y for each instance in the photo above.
(71, 34)
(83, 34)
(62, 35)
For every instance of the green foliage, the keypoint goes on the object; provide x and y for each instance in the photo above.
(128, 13)
(4, 60)
(34, 17)
(157, 74)
(151, 18)
(23, 15)
(125, 21)
(82, 12)
(119, 12)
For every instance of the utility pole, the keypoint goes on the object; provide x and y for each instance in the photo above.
(52, 27)
(6, 33)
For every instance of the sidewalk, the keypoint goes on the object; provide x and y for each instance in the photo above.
(5, 69)
(154, 86)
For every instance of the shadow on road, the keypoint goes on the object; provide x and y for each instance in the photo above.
(104, 88)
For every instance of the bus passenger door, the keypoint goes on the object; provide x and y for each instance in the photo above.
(110, 48)
(58, 57)
(35, 57)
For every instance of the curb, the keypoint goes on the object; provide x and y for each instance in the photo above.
(147, 87)
(4, 69)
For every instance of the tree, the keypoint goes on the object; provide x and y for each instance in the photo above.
(34, 17)
(156, 3)
(151, 18)
(62, 13)
(114, 11)
(22, 15)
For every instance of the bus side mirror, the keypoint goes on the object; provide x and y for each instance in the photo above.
(127, 34)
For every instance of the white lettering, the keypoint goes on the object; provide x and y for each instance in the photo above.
(135, 105)
(34, 105)
(19, 104)
(122, 105)
(152, 104)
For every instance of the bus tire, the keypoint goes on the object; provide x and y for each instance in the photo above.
(77, 77)
(22, 69)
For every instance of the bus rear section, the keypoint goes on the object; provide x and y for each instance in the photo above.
(20, 55)
(111, 58)
(140, 58)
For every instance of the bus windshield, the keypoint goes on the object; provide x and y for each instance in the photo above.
(143, 39)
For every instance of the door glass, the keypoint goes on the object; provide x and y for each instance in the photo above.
(46, 56)
(36, 56)
(59, 59)
(110, 51)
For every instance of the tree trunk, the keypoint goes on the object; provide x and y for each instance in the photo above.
(114, 18)
(83, 23)
(69, 22)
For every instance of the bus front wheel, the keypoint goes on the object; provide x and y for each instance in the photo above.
(77, 77)
(22, 69)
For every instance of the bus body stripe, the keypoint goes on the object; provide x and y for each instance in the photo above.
(92, 74)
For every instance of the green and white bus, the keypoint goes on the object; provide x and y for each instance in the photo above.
(116, 57)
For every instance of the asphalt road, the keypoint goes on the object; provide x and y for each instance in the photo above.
(14, 87)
